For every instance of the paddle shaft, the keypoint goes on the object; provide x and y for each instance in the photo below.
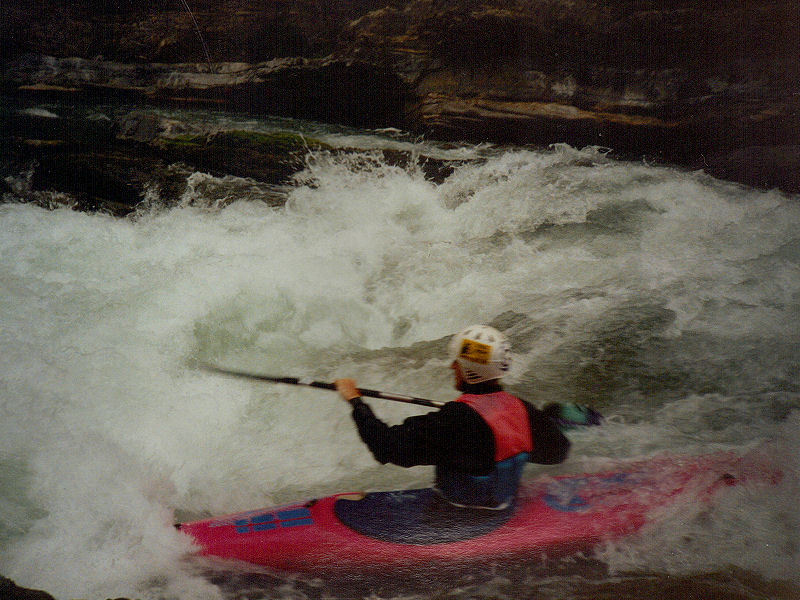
(325, 386)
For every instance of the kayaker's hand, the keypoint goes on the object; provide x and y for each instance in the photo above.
(347, 389)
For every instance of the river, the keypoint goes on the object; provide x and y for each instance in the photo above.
(666, 299)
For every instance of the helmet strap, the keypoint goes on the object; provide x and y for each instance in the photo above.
(484, 387)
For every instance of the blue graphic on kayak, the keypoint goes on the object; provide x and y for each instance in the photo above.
(265, 521)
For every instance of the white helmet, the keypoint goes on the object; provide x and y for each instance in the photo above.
(482, 352)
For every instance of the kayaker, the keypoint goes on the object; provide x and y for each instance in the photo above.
(478, 443)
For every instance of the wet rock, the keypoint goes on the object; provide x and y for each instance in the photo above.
(141, 127)
(758, 166)
(11, 591)
(433, 169)
(115, 166)
(142, 160)
(81, 163)
(268, 157)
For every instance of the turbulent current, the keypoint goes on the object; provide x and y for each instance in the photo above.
(666, 299)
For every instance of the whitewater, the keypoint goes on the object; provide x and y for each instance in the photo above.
(662, 297)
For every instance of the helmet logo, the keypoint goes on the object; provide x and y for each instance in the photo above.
(475, 352)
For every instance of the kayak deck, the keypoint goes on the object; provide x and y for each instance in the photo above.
(552, 515)
(416, 517)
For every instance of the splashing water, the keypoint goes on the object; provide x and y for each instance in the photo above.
(666, 299)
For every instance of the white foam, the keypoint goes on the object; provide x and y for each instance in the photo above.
(115, 429)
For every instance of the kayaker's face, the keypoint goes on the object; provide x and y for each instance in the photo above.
(459, 376)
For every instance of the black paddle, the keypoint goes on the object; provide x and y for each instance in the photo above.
(565, 415)
(322, 385)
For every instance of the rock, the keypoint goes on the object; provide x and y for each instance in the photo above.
(267, 157)
(757, 166)
(11, 591)
(329, 90)
(672, 82)
(141, 127)
(81, 163)
(676, 82)
(143, 160)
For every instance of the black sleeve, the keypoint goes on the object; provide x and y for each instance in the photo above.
(453, 436)
(550, 445)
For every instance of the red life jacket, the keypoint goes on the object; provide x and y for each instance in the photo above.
(508, 420)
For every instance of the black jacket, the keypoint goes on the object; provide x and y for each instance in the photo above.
(454, 437)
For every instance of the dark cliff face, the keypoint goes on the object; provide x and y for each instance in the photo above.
(143, 31)
(678, 79)
(713, 86)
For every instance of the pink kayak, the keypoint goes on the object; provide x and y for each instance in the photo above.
(552, 515)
